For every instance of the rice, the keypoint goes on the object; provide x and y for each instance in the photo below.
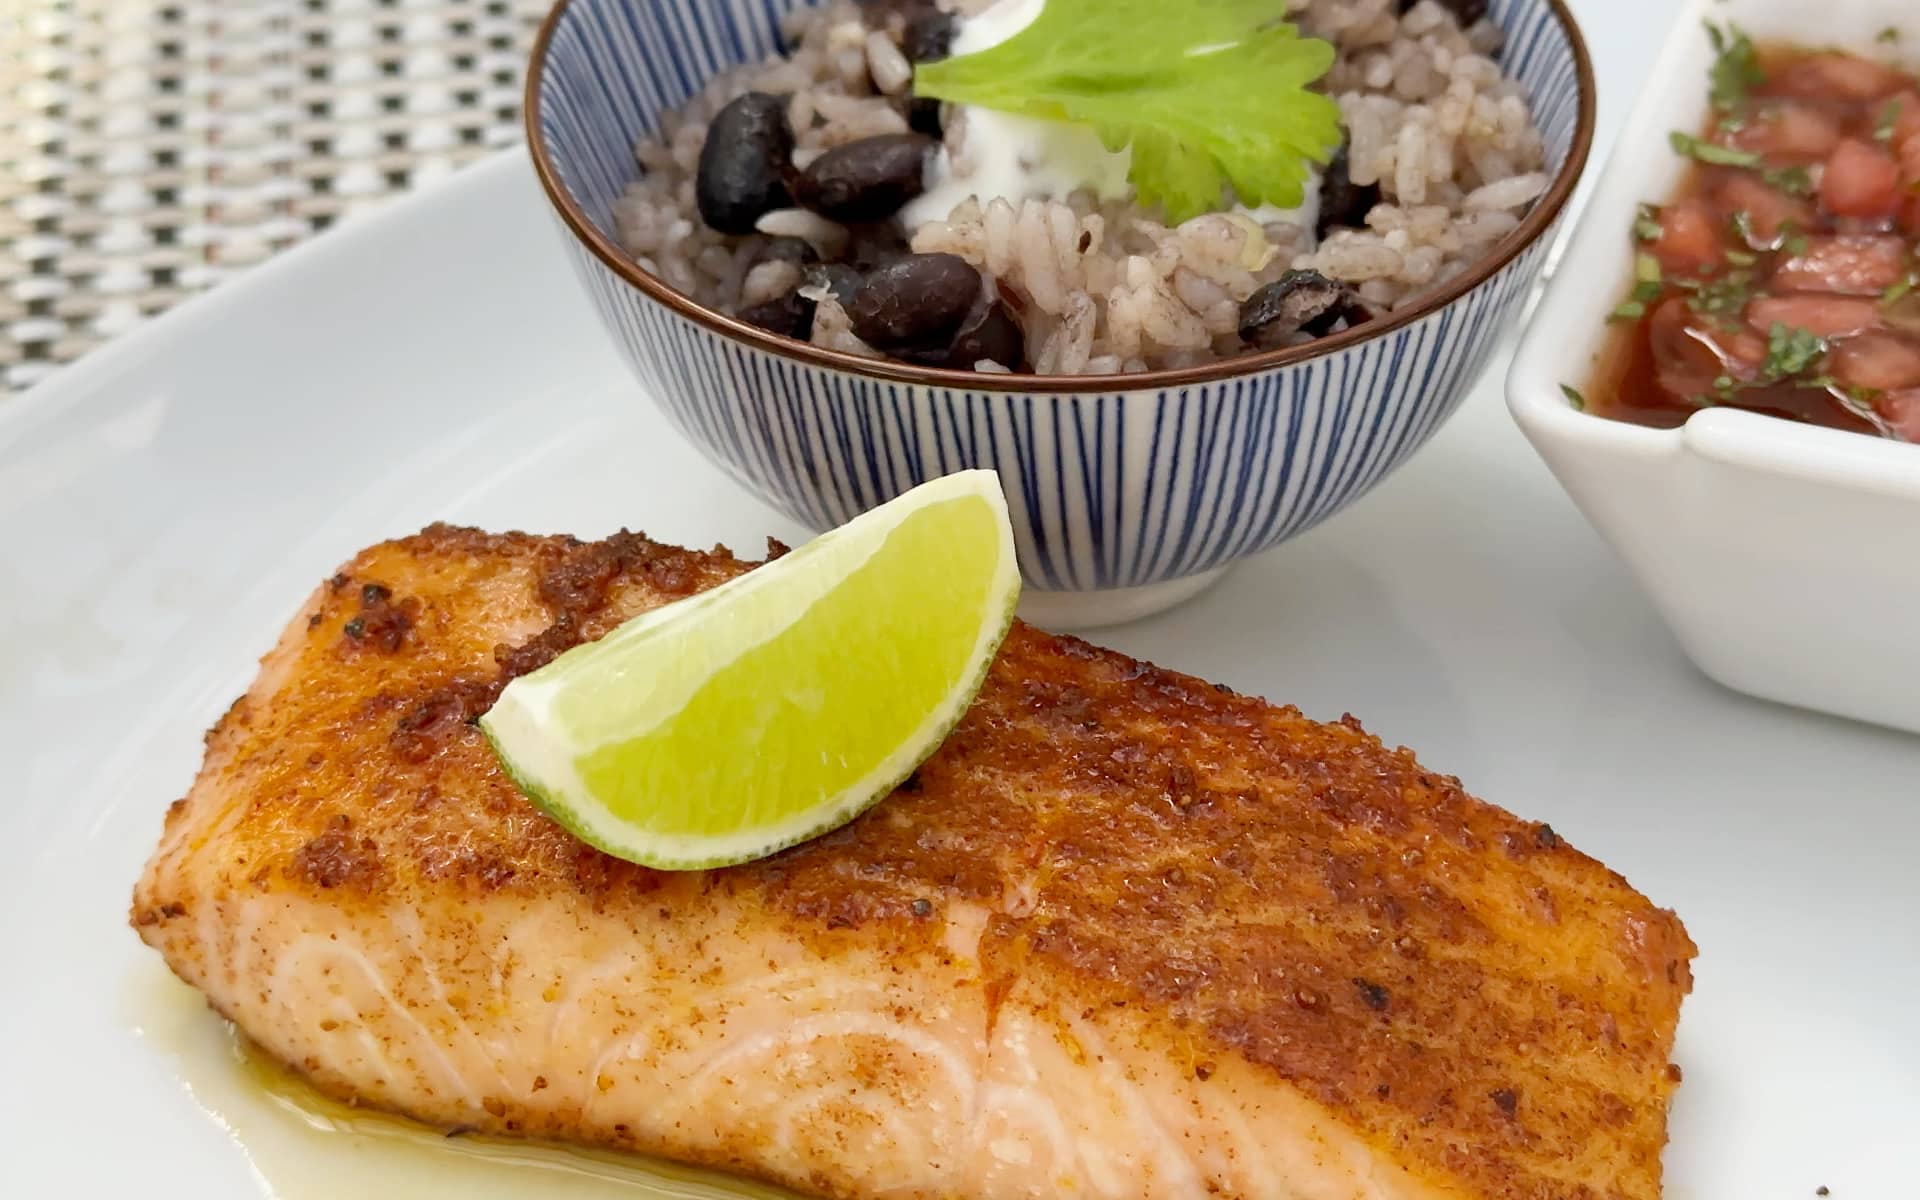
(1106, 286)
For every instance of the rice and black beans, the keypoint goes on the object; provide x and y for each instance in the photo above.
(815, 152)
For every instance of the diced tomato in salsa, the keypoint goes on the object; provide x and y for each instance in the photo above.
(1831, 77)
(1692, 356)
(1902, 411)
(1906, 116)
(1861, 180)
(1878, 362)
(1906, 147)
(1801, 133)
(1788, 276)
(1690, 237)
(1822, 315)
(1770, 212)
(1849, 263)
(1906, 130)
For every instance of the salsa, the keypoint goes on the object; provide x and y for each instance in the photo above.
(1784, 277)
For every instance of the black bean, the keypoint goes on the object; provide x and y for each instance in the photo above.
(995, 335)
(989, 332)
(923, 116)
(1464, 11)
(790, 315)
(839, 278)
(1298, 302)
(917, 301)
(797, 251)
(1343, 203)
(929, 36)
(875, 245)
(744, 163)
(867, 180)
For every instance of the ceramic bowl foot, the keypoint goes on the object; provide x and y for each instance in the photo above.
(1069, 612)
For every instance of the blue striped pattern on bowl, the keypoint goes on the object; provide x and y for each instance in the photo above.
(1108, 489)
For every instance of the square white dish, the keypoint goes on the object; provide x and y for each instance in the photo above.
(167, 504)
(1785, 557)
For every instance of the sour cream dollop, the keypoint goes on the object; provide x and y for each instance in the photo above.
(1014, 156)
(1030, 158)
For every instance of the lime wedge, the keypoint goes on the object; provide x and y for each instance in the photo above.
(781, 704)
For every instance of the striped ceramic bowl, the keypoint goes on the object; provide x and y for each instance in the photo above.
(1129, 493)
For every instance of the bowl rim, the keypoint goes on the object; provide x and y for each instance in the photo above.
(1538, 221)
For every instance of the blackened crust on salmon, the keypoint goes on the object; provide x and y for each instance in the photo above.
(338, 857)
(575, 585)
(529, 656)
(581, 583)
(429, 725)
(381, 625)
(1212, 872)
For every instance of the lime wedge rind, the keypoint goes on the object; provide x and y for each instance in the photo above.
(541, 758)
(666, 853)
(537, 690)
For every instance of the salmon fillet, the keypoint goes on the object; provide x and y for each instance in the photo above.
(1126, 935)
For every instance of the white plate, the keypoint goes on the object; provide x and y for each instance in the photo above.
(165, 505)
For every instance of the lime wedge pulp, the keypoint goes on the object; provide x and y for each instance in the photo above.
(781, 704)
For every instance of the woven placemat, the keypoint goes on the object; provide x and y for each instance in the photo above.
(149, 150)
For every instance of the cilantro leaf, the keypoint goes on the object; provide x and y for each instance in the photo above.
(1574, 397)
(1796, 181)
(1723, 296)
(1709, 152)
(1791, 350)
(1736, 70)
(1888, 120)
(1209, 94)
